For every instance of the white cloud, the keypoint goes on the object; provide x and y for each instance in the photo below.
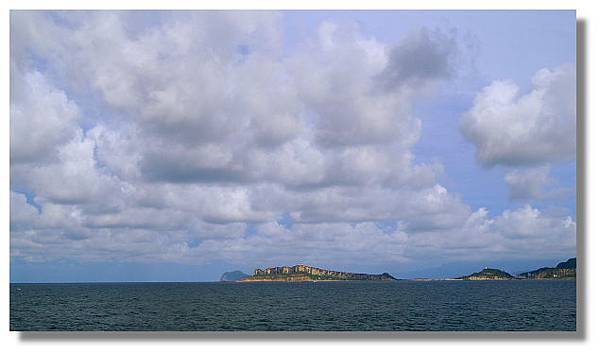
(523, 233)
(529, 228)
(73, 178)
(41, 117)
(21, 212)
(339, 77)
(536, 127)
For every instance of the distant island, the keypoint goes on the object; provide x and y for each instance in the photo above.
(232, 276)
(303, 273)
(488, 274)
(563, 270)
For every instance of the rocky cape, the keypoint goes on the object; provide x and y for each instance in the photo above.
(304, 273)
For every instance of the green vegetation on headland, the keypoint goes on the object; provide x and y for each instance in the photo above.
(303, 273)
(564, 270)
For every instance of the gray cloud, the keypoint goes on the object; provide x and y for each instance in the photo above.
(422, 57)
(529, 183)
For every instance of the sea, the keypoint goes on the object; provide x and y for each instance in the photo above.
(515, 305)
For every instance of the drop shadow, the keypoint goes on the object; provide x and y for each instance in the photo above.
(295, 336)
(581, 189)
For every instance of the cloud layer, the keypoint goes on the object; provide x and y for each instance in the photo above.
(200, 137)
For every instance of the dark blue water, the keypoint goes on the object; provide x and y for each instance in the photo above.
(336, 306)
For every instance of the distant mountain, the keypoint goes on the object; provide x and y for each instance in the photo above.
(569, 264)
(233, 276)
(565, 269)
(301, 273)
(489, 274)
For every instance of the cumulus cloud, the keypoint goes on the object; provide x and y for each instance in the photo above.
(509, 128)
(73, 178)
(341, 75)
(524, 233)
(208, 132)
(42, 117)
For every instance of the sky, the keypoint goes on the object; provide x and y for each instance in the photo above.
(175, 146)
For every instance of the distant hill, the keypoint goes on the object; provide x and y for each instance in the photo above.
(233, 276)
(569, 264)
(565, 269)
(488, 274)
(302, 273)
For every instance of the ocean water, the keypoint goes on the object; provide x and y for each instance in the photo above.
(328, 306)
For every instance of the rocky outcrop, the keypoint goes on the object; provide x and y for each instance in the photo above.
(488, 274)
(233, 276)
(301, 273)
(563, 270)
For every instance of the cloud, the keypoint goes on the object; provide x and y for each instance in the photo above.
(41, 117)
(533, 128)
(21, 212)
(73, 178)
(422, 57)
(339, 75)
(529, 228)
(524, 233)
(521, 233)
(528, 183)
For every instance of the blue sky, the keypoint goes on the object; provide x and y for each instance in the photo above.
(179, 145)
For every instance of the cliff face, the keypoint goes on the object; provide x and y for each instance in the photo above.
(489, 274)
(565, 269)
(299, 273)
